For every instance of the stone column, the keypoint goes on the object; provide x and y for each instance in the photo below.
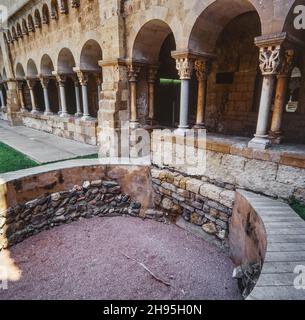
(58, 98)
(98, 79)
(280, 96)
(44, 83)
(77, 97)
(202, 69)
(269, 63)
(1, 99)
(133, 73)
(83, 80)
(185, 69)
(152, 74)
(20, 94)
(61, 79)
(31, 83)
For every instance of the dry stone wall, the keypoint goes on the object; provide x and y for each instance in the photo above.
(95, 198)
(200, 202)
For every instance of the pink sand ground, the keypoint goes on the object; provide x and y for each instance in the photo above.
(84, 260)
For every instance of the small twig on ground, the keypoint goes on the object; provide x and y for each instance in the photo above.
(143, 266)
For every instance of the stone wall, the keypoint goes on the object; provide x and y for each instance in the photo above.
(95, 198)
(200, 202)
(229, 162)
(68, 127)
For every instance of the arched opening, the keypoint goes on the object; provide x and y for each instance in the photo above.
(32, 75)
(293, 121)
(46, 70)
(45, 14)
(14, 34)
(30, 24)
(54, 9)
(24, 27)
(37, 19)
(152, 47)
(19, 30)
(65, 65)
(20, 77)
(91, 54)
(227, 29)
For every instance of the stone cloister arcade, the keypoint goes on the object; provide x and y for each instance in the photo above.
(233, 67)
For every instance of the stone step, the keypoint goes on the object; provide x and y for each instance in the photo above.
(293, 256)
(286, 247)
(275, 279)
(286, 238)
(277, 293)
(286, 231)
(281, 267)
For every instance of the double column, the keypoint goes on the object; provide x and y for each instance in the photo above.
(133, 73)
(20, 95)
(31, 83)
(83, 80)
(2, 104)
(269, 64)
(44, 83)
(281, 96)
(61, 79)
(202, 69)
(185, 66)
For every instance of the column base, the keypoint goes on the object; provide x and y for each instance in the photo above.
(275, 137)
(64, 114)
(22, 110)
(78, 114)
(48, 113)
(134, 124)
(35, 112)
(181, 131)
(260, 143)
(199, 126)
(87, 118)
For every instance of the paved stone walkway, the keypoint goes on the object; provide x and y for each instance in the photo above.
(285, 256)
(42, 147)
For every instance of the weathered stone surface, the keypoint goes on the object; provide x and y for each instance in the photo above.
(167, 204)
(209, 228)
(193, 185)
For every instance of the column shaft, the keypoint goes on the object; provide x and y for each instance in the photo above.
(200, 103)
(86, 114)
(184, 103)
(265, 104)
(78, 105)
(133, 102)
(64, 111)
(1, 99)
(46, 101)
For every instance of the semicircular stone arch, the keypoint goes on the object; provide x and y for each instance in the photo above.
(155, 14)
(65, 61)
(20, 73)
(46, 65)
(91, 54)
(212, 21)
(149, 39)
(31, 69)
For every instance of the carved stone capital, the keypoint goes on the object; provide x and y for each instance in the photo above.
(185, 68)
(31, 83)
(133, 72)
(269, 58)
(44, 82)
(287, 63)
(202, 69)
(82, 77)
(61, 79)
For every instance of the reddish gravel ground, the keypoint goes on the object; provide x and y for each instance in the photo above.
(85, 260)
